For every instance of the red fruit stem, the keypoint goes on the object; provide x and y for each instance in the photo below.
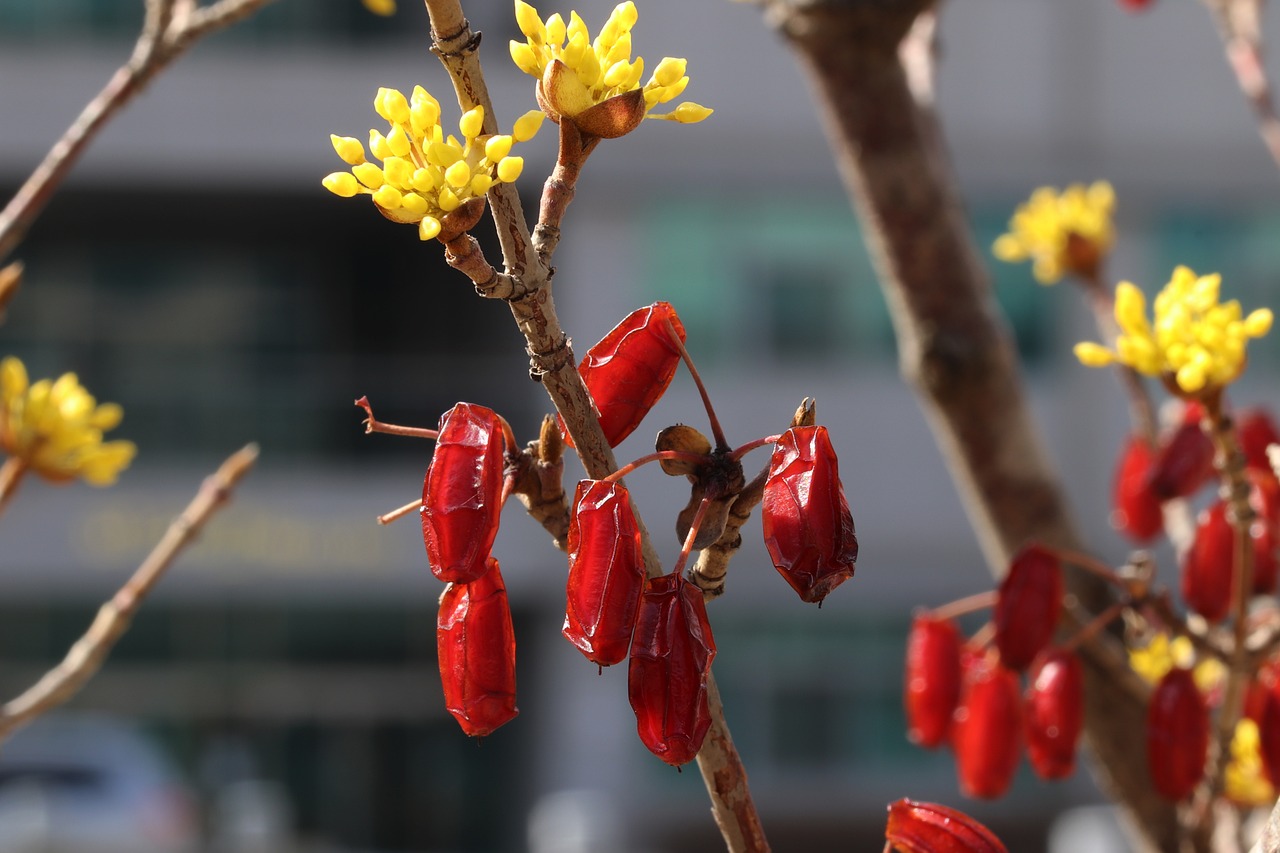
(1092, 565)
(657, 456)
(968, 604)
(693, 534)
(1094, 625)
(411, 506)
(739, 452)
(372, 424)
(1229, 460)
(716, 432)
(983, 636)
(509, 436)
(888, 847)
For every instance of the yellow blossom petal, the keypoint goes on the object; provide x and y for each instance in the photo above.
(348, 148)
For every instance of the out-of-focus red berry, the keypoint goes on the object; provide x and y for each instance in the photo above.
(930, 828)
(1256, 430)
(1136, 5)
(1177, 735)
(1027, 606)
(1183, 464)
(1054, 713)
(932, 678)
(987, 733)
(1208, 579)
(1136, 511)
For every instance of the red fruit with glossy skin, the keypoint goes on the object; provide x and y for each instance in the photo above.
(462, 493)
(930, 828)
(1208, 581)
(671, 654)
(1256, 430)
(932, 679)
(477, 650)
(1184, 463)
(1027, 606)
(1264, 497)
(1054, 713)
(987, 733)
(1136, 511)
(807, 526)
(630, 369)
(1177, 734)
(606, 572)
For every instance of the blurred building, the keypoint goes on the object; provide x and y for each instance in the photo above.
(194, 270)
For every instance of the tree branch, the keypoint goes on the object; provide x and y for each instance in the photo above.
(85, 658)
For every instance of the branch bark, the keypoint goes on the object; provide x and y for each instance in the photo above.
(954, 346)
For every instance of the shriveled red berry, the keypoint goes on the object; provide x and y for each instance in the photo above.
(987, 734)
(932, 678)
(1256, 431)
(1183, 464)
(931, 828)
(1027, 605)
(477, 649)
(629, 370)
(1055, 713)
(1177, 735)
(807, 526)
(606, 572)
(671, 654)
(1136, 511)
(462, 493)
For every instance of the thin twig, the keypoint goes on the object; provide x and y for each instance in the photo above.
(87, 655)
(168, 30)
(10, 476)
(1239, 26)
(10, 281)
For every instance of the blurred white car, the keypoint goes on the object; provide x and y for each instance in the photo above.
(90, 784)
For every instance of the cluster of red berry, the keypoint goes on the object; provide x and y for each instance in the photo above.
(613, 610)
(969, 697)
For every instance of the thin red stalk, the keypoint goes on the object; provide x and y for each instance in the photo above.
(742, 451)
(968, 604)
(397, 514)
(10, 476)
(1096, 624)
(372, 425)
(1093, 566)
(658, 456)
(716, 432)
(693, 534)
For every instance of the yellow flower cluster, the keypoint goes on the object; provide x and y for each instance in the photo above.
(1160, 655)
(381, 7)
(1060, 233)
(1245, 777)
(56, 427)
(426, 175)
(1194, 338)
(576, 73)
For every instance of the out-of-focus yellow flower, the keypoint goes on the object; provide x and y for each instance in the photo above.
(381, 7)
(596, 83)
(55, 427)
(426, 175)
(1246, 779)
(1160, 655)
(1195, 339)
(1060, 233)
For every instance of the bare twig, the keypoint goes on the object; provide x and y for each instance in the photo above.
(10, 281)
(170, 27)
(1240, 27)
(953, 345)
(553, 364)
(87, 655)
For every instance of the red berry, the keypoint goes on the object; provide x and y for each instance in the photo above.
(988, 730)
(671, 656)
(477, 649)
(1055, 713)
(630, 369)
(606, 572)
(1027, 606)
(1137, 511)
(932, 679)
(462, 493)
(930, 828)
(1135, 5)
(1177, 735)
(1207, 579)
(807, 526)
(1184, 463)
(1257, 430)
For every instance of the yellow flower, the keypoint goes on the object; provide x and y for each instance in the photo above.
(1246, 779)
(381, 7)
(425, 175)
(1160, 655)
(1060, 233)
(596, 83)
(56, 427)
(1196, 340)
